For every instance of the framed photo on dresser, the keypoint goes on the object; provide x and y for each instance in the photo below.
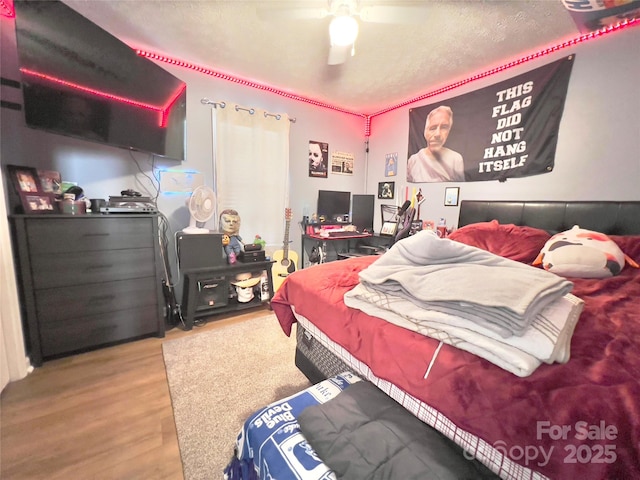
(50, 181)
(25, 179)
(38, 203)
(27, 185)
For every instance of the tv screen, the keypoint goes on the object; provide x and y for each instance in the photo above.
(81, 81)
(333, 205)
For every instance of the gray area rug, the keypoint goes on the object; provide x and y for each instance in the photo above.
(217, 378)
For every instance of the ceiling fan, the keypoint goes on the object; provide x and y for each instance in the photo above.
(344, 26)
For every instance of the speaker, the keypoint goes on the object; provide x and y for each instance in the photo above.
(212, 293)
(362, 212)
(199, 250)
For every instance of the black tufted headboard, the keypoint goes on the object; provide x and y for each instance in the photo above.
(613, 218)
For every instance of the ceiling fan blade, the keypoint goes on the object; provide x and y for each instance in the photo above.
(394, 14)
(339, 53)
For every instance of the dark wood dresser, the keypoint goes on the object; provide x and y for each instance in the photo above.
(87, 281)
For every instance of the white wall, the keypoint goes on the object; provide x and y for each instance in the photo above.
(598, 151)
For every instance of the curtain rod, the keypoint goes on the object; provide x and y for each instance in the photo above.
(277, 116)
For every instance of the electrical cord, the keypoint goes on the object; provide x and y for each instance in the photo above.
(173, 307)
(174, 310)
(155, 182)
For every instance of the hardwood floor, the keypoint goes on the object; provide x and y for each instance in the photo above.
(104, 414)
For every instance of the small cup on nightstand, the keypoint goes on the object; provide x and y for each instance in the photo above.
(97, 204)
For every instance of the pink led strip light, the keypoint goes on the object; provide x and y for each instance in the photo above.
(6, 9)
(569, 43)
(162, 111)
(515, 63)
(248, 83)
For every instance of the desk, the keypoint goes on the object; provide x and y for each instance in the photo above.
(220, 292)
(337, 248)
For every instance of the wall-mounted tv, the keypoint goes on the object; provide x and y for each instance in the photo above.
(81, 81)
(333, 206)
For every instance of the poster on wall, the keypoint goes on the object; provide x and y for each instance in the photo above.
(386, 190)
(391, 164)
(342, 163)
(506, 130)
(318, 159)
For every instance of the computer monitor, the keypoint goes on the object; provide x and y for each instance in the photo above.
(362, 208)
(333, 206)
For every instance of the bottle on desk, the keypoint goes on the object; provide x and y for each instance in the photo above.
(442, 228)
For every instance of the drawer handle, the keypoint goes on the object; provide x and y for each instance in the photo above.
(102, 298)
(96, 267)
(106, 234)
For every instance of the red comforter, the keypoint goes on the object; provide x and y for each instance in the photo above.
(577, 420)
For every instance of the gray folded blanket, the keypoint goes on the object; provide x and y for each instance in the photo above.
(364, 434)
(458, 279)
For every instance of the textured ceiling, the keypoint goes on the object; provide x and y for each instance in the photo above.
(393, 62)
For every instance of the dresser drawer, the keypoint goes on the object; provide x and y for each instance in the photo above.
(50, 271)
(55, 304)
(57, 235)
(80, 333)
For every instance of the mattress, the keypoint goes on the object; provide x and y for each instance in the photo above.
(314, 359)
(318, 349)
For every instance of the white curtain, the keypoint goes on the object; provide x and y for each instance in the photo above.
(14, 364)
(251, 159)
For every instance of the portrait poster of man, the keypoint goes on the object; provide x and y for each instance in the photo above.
(318, 159)
(506, 130)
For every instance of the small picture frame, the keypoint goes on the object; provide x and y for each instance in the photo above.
(451, 195)
(50, 181)
(389, 228)
(391, 164)
(38, 202)
(386, 190)
(25, 179)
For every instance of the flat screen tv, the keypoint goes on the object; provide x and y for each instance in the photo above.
(81, 81)
(333, 206)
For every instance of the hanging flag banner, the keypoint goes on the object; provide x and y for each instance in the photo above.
(507, 130)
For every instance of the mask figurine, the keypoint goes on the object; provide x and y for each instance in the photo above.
(230, 227)
(245, 283)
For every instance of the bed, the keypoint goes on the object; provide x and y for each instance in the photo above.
(579, 419)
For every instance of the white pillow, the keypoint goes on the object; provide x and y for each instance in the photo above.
(581, 253)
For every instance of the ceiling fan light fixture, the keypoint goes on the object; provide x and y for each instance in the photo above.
(343, 30)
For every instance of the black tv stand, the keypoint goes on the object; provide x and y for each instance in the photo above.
(192, 308)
